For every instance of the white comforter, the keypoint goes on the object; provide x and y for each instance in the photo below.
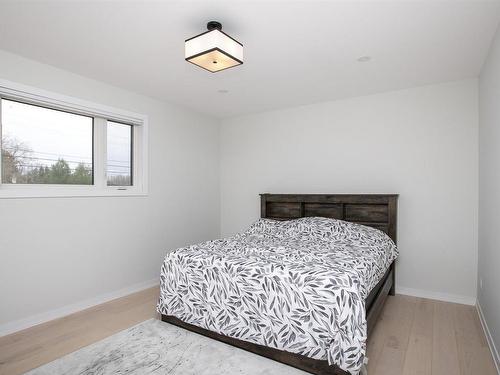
(298, 286)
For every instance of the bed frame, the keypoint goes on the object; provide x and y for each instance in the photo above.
(374, 210)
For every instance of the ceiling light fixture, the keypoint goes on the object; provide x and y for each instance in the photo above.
(214, 50)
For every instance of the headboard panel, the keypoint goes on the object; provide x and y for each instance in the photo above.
(374, 210)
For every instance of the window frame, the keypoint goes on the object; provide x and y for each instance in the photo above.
(100, 114)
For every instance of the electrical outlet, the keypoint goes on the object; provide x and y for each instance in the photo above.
(481, 283)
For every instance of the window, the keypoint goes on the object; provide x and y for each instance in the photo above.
(119, 148)
(59, 146)
(45, 146)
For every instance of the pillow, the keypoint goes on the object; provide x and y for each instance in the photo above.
(267, 227)
(319, 228)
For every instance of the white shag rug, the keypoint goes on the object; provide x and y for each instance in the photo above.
(154, 347)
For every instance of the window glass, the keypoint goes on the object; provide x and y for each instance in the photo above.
(119, 158)
(45, 146)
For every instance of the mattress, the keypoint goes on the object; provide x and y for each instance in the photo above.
(297, 285)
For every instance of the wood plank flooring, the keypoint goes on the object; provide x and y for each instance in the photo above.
(414, 336)
(30, 348)
(424, 337)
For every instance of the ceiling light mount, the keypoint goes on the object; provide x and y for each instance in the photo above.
(214, 50)
(214, 25)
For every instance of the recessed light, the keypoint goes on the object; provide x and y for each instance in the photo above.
(364, 58)
(223, 91)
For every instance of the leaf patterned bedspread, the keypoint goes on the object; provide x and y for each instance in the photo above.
(297, 285)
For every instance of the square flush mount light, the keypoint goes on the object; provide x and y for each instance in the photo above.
(214, 50)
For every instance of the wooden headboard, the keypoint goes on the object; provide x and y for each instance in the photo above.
(374, 210)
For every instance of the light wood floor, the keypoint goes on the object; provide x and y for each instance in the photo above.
(413, 336)
(424, 337)
(25, 350)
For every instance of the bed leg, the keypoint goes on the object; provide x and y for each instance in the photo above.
(392, 291)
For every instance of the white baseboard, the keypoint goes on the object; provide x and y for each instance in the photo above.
(46, 316)
(464, 300)
(489, 338)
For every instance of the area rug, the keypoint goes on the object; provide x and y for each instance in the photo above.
(154, 347)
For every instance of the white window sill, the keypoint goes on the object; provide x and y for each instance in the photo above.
(62, 191)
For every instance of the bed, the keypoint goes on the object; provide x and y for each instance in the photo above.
(297, 286)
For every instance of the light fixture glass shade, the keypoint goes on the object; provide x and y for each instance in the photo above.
(214, 51)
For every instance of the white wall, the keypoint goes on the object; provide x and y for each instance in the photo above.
(56, 252)
(489, 189)
(421, 143)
